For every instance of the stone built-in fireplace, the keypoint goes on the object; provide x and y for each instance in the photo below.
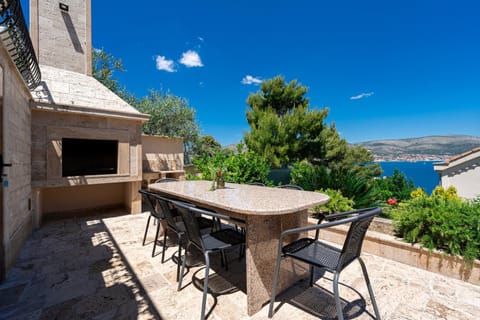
(86, 141)
(83, 158)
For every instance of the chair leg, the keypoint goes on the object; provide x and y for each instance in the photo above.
(184, 259)
(164, 244)
(146, 230)
(205, 285)
(224, 258)
(337, 296)
(370, 290)
(312, 269)
(274, 287)
(241, 251)
(179, 255)
(156, 238)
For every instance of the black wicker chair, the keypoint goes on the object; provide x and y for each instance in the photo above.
(216, 241)
(149, 199)
(332, 259)
(177, 225)
(290, 186)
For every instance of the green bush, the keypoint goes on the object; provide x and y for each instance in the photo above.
(351, 185)
(207, 165)
(354, 186)
(397, 187)
(242, 167)
(441, 221)
(309, 177)
(337, 203)
(246, 167)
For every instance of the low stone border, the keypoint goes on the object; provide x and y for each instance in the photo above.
(390, 247)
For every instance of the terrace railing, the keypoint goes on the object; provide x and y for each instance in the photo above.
(16, 39)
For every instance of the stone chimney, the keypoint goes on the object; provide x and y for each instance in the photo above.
(61, 33)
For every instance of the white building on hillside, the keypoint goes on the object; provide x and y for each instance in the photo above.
(462, 172)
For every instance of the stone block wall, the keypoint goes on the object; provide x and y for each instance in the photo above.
(162, 153)
(62, 38)
(16, 221)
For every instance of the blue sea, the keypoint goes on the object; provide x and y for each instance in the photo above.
(421, 172)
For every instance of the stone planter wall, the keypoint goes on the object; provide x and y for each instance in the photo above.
(390, 247)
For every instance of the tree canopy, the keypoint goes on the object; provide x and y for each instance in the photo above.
(283, 128)
(207, 145)
(170, 115)
(104, 66)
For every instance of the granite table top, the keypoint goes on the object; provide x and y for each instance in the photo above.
(242, 198)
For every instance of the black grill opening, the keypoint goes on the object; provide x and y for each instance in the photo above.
(82, 157)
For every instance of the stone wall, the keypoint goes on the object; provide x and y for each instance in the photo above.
(162, 153)
(61, 201)
(17, 214)
(62, 38)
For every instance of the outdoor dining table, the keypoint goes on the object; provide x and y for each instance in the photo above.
(266, 212)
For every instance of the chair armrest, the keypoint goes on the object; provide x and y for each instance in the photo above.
(208, 213)
(238, 222)
(146, 192)
(288, 232)
(346, 213)
(317, 227)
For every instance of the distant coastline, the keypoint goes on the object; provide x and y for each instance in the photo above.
(432, 148)
(412, 158)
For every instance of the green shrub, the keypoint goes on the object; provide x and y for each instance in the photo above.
(242, 167)
(337, 203)
(246, 167)
(309, 177)
(207, 165)
(351, 184)
(442, 221)
(397, 187)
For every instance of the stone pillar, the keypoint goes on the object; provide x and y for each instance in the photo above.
(133, 199)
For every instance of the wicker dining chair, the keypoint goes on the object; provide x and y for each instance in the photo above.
(217, 241)
(177, 225)
(149, 199)
(319, 254)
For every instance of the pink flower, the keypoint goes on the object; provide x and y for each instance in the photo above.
(392, 202)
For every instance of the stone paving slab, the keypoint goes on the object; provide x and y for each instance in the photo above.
(97, 268)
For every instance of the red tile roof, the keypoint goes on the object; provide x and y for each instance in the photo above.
(462, 155)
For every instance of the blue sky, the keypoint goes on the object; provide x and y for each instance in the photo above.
(385, 69)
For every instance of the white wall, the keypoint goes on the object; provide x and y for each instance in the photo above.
(465, 177)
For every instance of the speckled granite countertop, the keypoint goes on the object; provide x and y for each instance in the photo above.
(242, 198)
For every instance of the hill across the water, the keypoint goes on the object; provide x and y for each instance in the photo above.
(422, 148)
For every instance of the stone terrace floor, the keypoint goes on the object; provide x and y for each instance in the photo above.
(96, 268)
